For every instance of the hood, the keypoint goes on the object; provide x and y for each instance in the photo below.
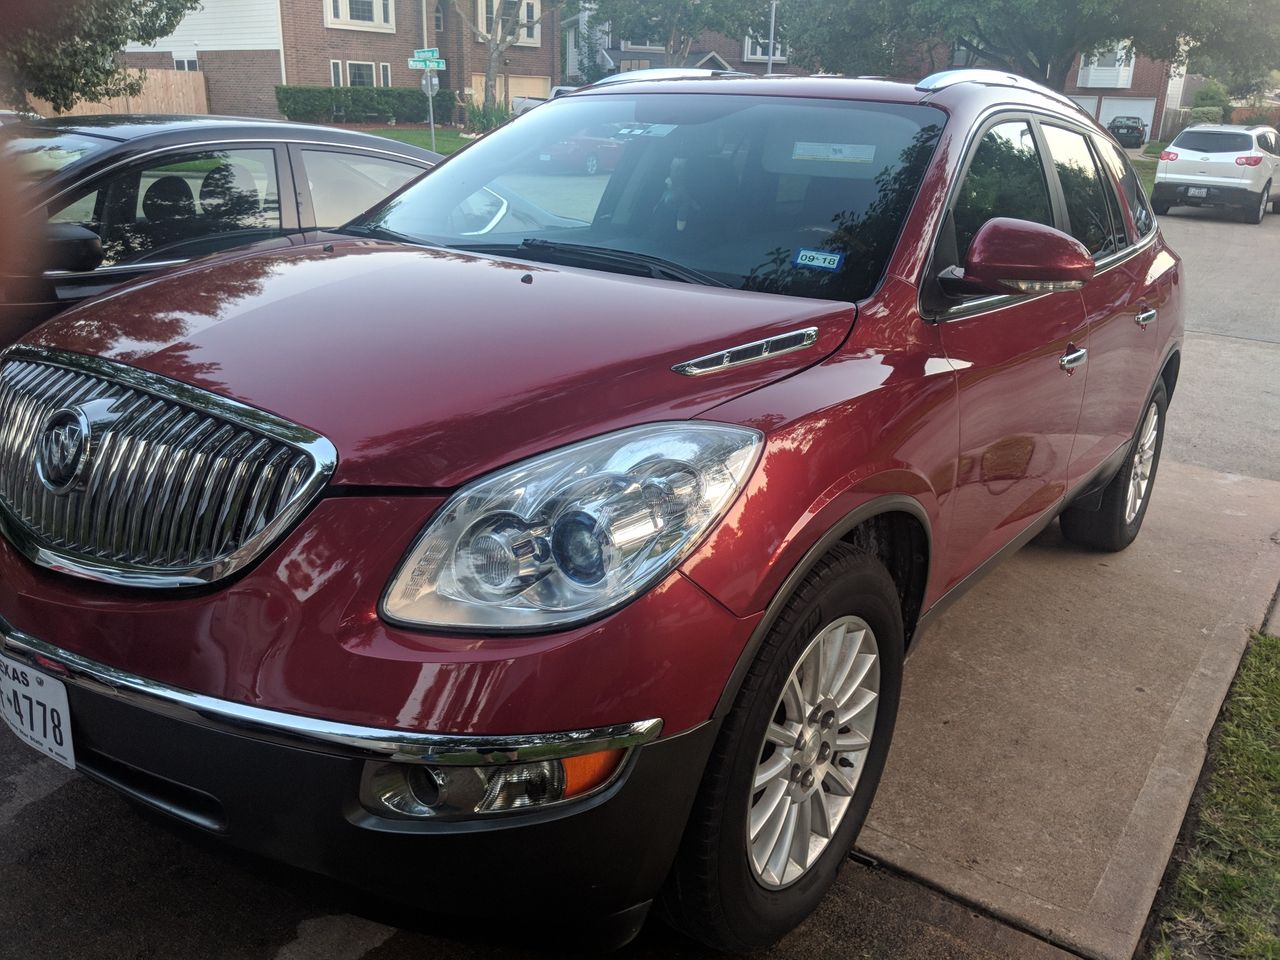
(428, 367)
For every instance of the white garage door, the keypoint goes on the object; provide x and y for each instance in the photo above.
(1090, 104)
(1144, 107)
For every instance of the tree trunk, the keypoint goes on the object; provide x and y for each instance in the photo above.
(491, 74)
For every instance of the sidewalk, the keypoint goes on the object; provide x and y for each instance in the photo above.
(1054, 722)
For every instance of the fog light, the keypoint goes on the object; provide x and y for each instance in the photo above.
(414, 791)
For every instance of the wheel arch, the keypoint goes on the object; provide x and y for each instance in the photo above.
(895, 528)
(1169, 372)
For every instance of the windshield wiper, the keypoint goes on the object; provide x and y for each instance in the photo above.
(606, 257)
(382, 233)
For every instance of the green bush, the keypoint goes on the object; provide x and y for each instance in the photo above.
(482, 119)
(359, 104)
(1213, 94)
(1206, 115)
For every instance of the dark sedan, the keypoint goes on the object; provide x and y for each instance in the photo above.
(1129, 131)
(127, 195)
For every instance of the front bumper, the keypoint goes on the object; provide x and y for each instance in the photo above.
(288, 786)
(1175, 194)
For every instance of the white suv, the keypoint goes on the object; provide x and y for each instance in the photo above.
(1220, 166)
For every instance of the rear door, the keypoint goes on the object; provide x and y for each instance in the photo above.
(1123, 299)
(1019, 407)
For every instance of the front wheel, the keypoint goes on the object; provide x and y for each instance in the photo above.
(1115, 524)
(797, 761)
(591, 166)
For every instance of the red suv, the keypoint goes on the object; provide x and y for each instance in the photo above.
(542, 542)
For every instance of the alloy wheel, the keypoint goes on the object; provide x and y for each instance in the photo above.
(1143, 462)
(813, 753)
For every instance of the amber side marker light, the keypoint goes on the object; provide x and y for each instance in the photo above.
(583, 774)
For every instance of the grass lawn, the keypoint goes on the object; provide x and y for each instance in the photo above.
(447, 141)
(1146, 171)
(1153, 148)
(1224, 900)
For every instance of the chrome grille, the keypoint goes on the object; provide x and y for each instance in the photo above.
(179, 487)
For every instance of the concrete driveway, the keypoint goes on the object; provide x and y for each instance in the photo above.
(1052, 729)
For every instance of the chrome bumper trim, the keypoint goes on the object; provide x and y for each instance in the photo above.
(308, 733)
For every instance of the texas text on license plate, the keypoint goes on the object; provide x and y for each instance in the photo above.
(35, 708)
(1197, 191)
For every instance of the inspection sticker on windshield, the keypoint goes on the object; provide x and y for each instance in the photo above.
(833, 152)
(818, 259)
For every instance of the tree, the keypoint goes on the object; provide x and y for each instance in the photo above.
(1039, 39)
(65, 52)
(505, 22)
(675, 25)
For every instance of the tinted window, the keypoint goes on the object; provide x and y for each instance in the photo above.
(1082, 188)
(1005, 179)
(1114, 158)
(1210, 141)
(179, 206)
(345, 185)
(779, 195)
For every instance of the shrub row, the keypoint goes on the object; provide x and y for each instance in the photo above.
(355, 104)
(1206, 115)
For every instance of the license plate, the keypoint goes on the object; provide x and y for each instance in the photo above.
(1197, 191)
(35, 708)
(544, 156)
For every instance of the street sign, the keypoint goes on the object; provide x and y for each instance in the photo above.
(426, 63)
(434, 63)
(427, 53)
(417, 64)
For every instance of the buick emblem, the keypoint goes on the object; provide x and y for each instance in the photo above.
(62, 449)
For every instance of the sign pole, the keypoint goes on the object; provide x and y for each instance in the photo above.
(431, 107)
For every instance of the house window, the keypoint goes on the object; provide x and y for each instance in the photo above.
(486, 16)
(757, 50)
(628, 65)
(191, 64)
(375, 15)
(359, 74)
(335, 73)
(439, 17)
(652, 43)
(384, 72)
(530, 33)
(1110, 67)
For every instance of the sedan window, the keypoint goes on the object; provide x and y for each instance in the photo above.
(345, 185)
(179, 206)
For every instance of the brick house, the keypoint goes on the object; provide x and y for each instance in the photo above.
(245, 48)
(1110, 84)
(711, 50)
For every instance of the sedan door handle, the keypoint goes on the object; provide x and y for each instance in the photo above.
(1144, 317)
(1073, 358)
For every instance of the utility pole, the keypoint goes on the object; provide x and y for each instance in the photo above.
(773, 19)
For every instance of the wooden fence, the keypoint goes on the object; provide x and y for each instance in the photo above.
(165, 91)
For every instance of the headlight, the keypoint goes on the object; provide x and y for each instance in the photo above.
(569, 535)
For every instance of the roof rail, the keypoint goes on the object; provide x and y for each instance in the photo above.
(991, 78)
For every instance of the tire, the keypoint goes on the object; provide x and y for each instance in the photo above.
(591, 165)
(1110, 527)
(717, 893)
(1161, 209)
(1256, 213)
(1275, 206)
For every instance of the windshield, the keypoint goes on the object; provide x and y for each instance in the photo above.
(776, 194)
(40, 155)
(1208, 141)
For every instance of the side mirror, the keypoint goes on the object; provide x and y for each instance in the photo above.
(72, 247)
(1018, 256)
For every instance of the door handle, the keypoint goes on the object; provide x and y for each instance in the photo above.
(1073, 358)
(1144, 317)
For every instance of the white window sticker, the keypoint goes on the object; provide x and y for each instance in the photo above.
(818, 259)
(833, 152)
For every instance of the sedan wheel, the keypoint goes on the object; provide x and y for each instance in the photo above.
(813, 752)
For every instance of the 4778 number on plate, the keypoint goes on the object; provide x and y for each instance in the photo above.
(35, 708)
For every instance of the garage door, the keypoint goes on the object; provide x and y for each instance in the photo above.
(1144, 107)
(1088, 104)
(521, 86)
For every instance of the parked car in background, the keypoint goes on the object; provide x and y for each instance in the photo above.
(547, 572)
(587, 151)
(129, 195)
(1129, 131)
(1235, 167)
